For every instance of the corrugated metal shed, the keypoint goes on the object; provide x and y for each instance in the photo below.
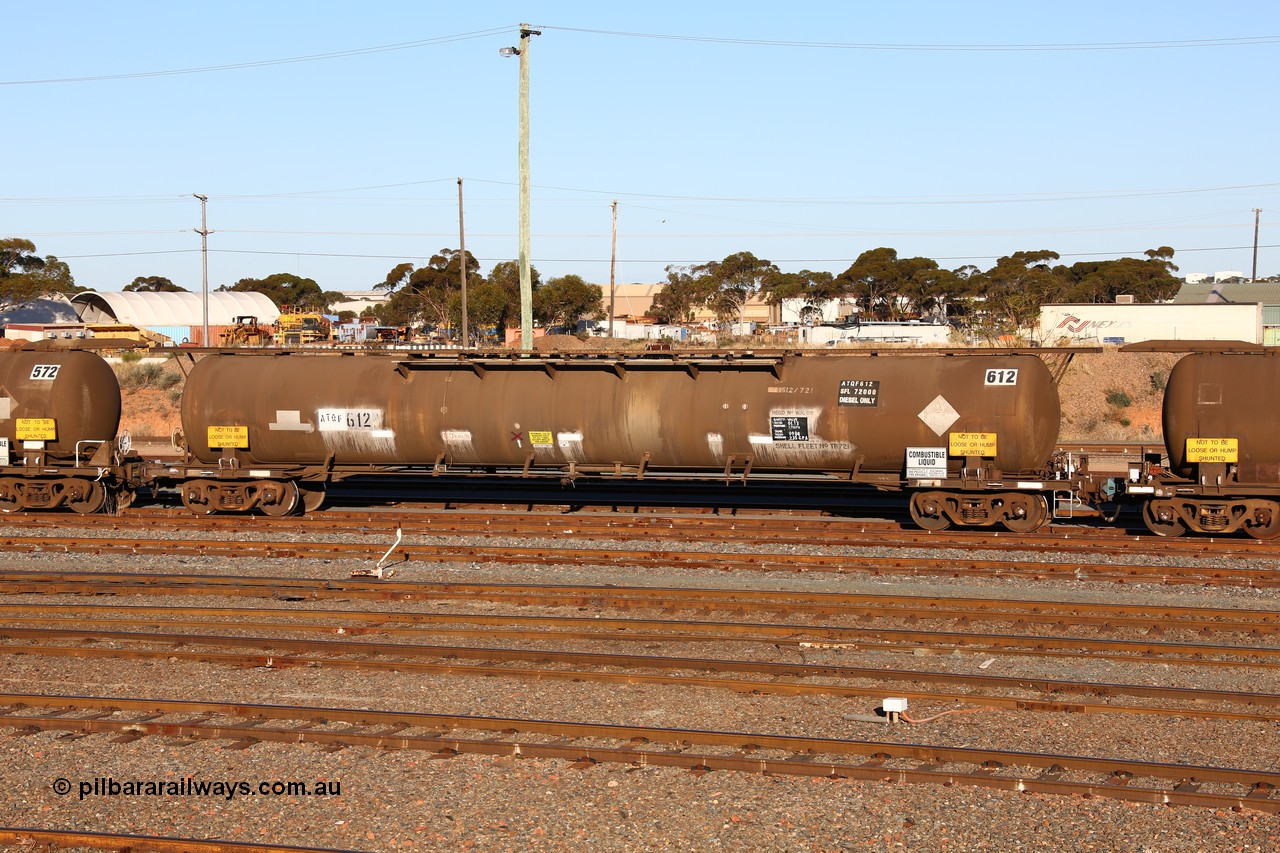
(159, 310)
(1242, 292)
(1208, 292)
(173, 334)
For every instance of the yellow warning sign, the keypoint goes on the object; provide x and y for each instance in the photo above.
(540, 439)
(229, 436)
(1213, 450)
(37, 429)
(972, 444)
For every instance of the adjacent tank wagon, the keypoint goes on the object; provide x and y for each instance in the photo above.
(59, 415)
(970, 437)
(1223, 447)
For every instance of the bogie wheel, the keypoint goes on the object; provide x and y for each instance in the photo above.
(86, 496)
(9, 495)
(928, 510)
(287, 500)
(1265, 522)
(1025, 513)
(313, 495)
(194, 497)
(1169, 525)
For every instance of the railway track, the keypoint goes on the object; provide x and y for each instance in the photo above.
(949, 566)
(784, 529)
(303, 629)
(770, 677)
(701, 751)
(133, 632)
(702, 600)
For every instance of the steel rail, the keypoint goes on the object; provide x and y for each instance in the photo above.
(1156, 619)
(776, 635)
(664, 560)
(701, 599)
(627, 661)
(1148, 649)
(27, 837)
(804, 755)
(772, 685)
(791, 530)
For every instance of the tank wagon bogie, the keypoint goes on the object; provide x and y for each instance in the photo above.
(1223, 472)
(970, 438)
(59, 417)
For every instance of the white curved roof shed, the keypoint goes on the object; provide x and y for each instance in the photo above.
(150, 310)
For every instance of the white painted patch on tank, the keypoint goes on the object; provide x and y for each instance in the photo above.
(6, 408)
(360, 444)
(457, 442)
(715, 443)
(341, 420)
(793, 441)
(570, 444)
(290, 421)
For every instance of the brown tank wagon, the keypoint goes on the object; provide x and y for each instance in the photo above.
(1220, 432)
(970, 436)
(59, 414)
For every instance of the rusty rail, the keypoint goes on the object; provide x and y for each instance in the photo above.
(784, 528)
(701, 599)
(1173, 784)
(709, 560)
(777, 680)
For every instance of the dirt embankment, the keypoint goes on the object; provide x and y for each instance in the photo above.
(1114, 396)
(1109, 396)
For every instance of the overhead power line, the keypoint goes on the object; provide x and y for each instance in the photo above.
(996, 198)
(605, 259)
(827, 45)
(1183, 44)
(314, 57)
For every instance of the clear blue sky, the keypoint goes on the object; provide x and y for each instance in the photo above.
(805, 133)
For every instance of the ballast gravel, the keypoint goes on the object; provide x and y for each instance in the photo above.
(393, 800)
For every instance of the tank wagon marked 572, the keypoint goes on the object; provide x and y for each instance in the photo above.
(59, 415)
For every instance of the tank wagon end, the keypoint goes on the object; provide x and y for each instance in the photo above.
(1223, 471)
(59, 417)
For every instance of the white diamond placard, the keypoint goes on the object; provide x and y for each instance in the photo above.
(939, 415)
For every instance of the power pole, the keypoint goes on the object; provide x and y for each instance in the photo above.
(526, 280)
(613, 266)
(203, 231)
(1257, 215)
(462, 262)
